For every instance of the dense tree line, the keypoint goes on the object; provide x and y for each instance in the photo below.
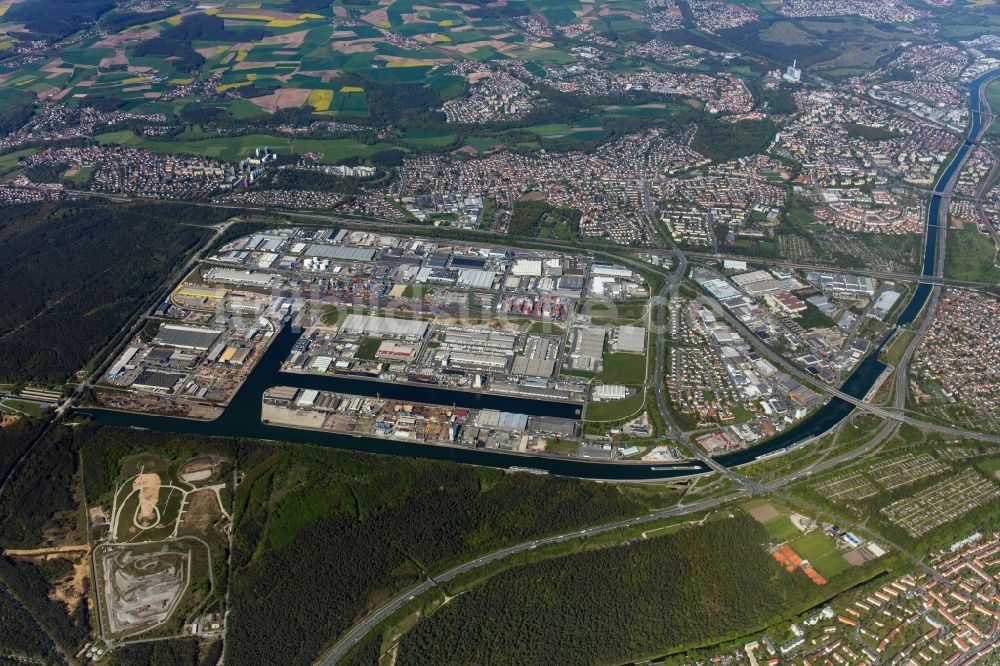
(15, 117)
(14, 441)
(491, 10)
(181, 652)
(176, 42)
(749, 39)
(21, 637)
(365, 653)
(55, 19)
(616, 604)
(531, 219)
(325, 535)
(28, 583)
(118, 20)
(72, 274)
(779, 100)
(41, 495)
(314, 181)
(721, 141)
(413, 104)
(45, 173)
(102, 103)
(40, 499)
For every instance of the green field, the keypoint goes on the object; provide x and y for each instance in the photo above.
(14, 406)
(821, 552)
(9, 162)
(623, 368)
(971, 256)
(368, 349)
(236, 148)
(615, 410)
(781, 529)
(993, 96)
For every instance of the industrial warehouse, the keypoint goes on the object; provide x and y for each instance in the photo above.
(412, 421)
(387, 308)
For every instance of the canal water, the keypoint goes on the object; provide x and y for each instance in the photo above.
(242, 417)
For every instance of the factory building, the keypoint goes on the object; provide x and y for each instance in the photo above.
(358, 324)
(340, 253)
(480, 339)
(588, 348)
(631, 339)
(235, 276)
(478, 361)
(527, 268)
(187, 337)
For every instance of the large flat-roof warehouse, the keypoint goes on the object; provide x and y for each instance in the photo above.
(187, 337)
(340, 252)
(373, 325)
(632, 339)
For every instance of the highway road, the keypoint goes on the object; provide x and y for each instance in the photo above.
(881, 275)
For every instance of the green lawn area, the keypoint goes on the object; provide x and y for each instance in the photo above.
(368, 349)
(235, 148)
(577, 373)
(337, 314)
(545, 328)
(821, 552)
(9, 163)
(615, 410)
(781, 529)
(623, 368)
(82, 177)
(414, 291)
(23, 407)
(562, 446)
(993, 95)
(899, 345)
(970, 256)
(603, 313)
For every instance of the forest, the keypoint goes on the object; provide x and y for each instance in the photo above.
(111, 259)
(365, 526)
(21, 637)
(14, 441)
(323, 535)
(55, 19)
(616, 604)
(538, 219)
(40, 499)
(184, 652)
(722, 141)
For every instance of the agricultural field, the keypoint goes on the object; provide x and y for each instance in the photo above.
(256, 58)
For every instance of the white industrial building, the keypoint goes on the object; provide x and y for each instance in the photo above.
(631, 339)
(359, 324)
(236, 276)
(604, 392)
(527, 268)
